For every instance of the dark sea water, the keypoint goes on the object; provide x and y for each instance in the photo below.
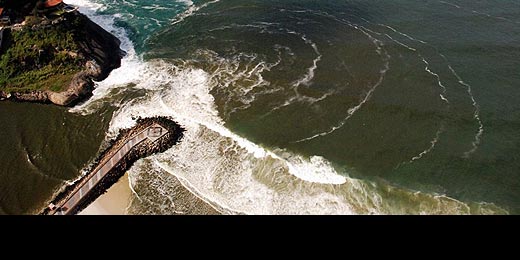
(295, 107)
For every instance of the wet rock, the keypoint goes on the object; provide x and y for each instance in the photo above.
(143, 149)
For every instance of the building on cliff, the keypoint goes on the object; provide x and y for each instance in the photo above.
(49, 6)
(53, 3)
(54, 8)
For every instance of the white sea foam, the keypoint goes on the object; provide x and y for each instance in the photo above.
(442, 96)
(232, 173)
(307, 77)
(194, 106)
(403, 34)
(314, 170)
(240, 78)
(480, 13)
(476, 113)
(131, 67)
(427, 68)
(191, 10)
(433, 143)
(400, 43)
(87, 7)
(351, 111)
(436, 139)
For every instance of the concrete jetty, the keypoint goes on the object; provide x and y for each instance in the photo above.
(150, 135)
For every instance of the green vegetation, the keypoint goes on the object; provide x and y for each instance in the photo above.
(42, 58)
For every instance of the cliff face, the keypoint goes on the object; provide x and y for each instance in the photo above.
(95, 53)
(101, 46)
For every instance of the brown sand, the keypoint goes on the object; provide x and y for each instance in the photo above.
(118, 198)
(113, 202)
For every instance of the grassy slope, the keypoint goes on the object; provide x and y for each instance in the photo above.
(40, 59)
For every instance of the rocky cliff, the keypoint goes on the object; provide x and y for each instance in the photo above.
(56, 72)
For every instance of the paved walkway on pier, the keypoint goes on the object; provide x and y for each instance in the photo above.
(90, 181)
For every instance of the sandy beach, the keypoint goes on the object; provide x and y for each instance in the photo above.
(113, 202)
(117, 201)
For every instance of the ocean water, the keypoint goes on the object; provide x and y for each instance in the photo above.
(295, 107)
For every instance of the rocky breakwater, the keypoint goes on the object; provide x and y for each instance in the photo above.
(56, 61)
(171, 135)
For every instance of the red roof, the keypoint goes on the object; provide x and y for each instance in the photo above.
(51, 3)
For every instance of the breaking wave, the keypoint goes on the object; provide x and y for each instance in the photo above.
(228, 171)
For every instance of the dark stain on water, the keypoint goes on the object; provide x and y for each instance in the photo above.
(43, 146)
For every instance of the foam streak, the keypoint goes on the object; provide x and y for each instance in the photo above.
(351, 111)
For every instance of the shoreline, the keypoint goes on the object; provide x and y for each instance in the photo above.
(114, 202)
(148, 136)
(120, 200)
